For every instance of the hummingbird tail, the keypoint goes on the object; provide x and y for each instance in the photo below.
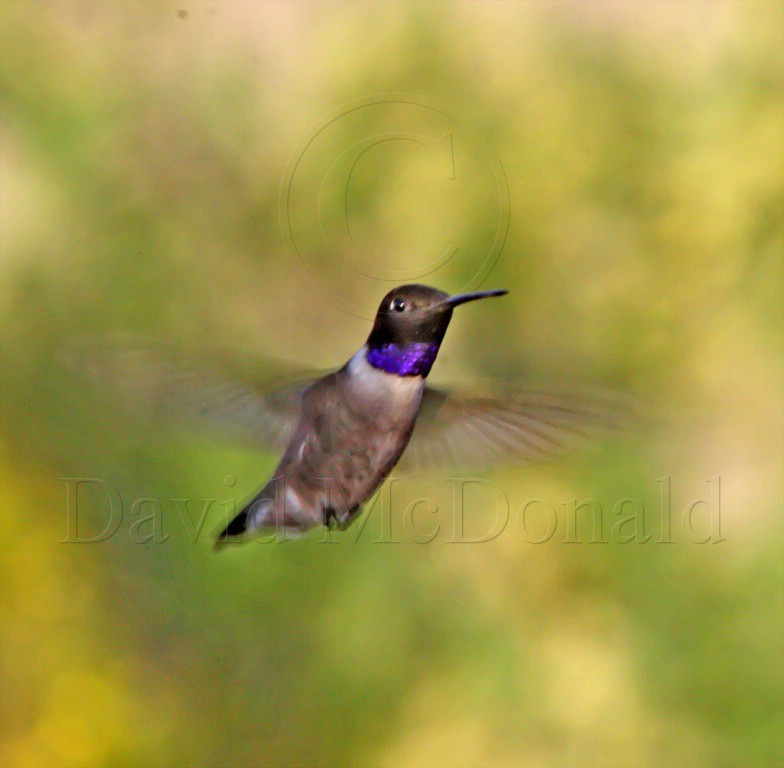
(236, 528)
(258, 513)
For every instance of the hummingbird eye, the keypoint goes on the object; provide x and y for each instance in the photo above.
(398, 305)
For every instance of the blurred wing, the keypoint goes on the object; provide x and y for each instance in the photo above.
(258, 402)
(519, 427)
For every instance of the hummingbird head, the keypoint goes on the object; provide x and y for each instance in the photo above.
(410, 325)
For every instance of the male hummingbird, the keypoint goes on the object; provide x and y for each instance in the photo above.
(342, 434)
(354, 424)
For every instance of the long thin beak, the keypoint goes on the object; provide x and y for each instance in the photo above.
(462, 298)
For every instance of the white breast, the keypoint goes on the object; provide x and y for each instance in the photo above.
(397, 397)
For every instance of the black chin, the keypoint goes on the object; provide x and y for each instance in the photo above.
(425, 326)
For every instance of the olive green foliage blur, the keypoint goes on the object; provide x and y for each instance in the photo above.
(145, 152)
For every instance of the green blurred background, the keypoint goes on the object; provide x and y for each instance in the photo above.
(145, 147)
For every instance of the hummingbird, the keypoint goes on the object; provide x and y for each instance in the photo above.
(355, 424)
(340, 435)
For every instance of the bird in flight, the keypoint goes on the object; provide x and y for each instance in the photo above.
(342, 434)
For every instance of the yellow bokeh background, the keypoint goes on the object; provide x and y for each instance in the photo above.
(144, 152)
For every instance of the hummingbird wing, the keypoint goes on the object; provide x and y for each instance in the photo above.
(520, 426)
(251, 399)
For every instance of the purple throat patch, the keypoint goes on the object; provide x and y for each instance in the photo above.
(412, 360)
